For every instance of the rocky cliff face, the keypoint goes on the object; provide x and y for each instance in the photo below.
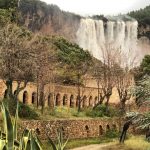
(144, 30)
(48, 19)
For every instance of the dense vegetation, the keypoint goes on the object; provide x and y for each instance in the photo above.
(143, 18)
(142, 15)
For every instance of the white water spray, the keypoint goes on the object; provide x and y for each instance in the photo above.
(121, 35)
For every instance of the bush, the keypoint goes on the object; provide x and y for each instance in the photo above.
(100, 111)
(24, 111)
(112, 133)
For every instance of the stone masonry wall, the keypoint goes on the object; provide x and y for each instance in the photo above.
(73, 128)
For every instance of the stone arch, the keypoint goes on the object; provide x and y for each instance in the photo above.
(5, 93)
(34, 97)
(71, 101)
(84, 101)
(95, 100)
(114, 127)
(65, 100)
(25, 97)
(37, 131)
(90, 101)
(87, 130)
(107, 127)
(49, 99)
(57, 103)
(100, 130)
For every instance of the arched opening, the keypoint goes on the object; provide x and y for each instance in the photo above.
(57, 100)
(96, 100)
(25, 97)
(34, 97)
(90, 101)
(65, 100)
(84, 101)
(49, 99)
(114, 127)
(100, 130)
(71, 101)
(87, 130)
(37, 131)
(107, 127)
(5, 93)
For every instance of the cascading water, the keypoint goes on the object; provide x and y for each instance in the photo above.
(93, 36)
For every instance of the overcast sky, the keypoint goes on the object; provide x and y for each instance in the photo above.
(106, 7)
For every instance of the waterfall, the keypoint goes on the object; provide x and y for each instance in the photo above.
(94, 35)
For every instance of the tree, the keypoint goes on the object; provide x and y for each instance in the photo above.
(17, 58)
(141, 89)
(13, 7)
(77, 61)
(123, 82)
(145, 65)
(104, 75)
(45, 66)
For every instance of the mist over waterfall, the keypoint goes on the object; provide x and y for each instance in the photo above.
(95, 35)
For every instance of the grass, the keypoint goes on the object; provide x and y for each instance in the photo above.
(80, 142)
(137, 143)
(65, 113)
(60, 112)
(133, 143)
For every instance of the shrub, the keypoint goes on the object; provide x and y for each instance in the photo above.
(100, 111)
(112, 133)
(24, 111)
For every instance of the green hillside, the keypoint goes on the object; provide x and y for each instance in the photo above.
(142, 15)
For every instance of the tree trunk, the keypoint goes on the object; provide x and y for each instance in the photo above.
(9, 89)
(37, 98)
(79, 94)
(100, 102)
(107, 103)
(98, 91)
(122, 106)
(41, 98)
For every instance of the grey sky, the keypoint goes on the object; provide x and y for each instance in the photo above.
(107, 7)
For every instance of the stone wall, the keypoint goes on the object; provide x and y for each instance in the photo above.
(73, 128)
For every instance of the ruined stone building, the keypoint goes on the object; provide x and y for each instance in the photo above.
(60, 95)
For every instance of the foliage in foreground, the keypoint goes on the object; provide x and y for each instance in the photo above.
(8, 136)
(142, 121)
(61, 144)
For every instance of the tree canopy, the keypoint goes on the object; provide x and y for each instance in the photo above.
(142, 15)
(75, 60)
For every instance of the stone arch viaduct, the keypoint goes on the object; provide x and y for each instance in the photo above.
(58, 95)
